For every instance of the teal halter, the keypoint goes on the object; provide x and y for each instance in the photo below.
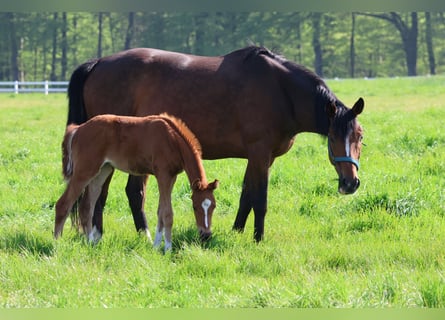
(342, 159)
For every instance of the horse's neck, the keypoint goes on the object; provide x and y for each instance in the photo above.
(192, 162)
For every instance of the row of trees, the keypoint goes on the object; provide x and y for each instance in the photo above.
(39, 46)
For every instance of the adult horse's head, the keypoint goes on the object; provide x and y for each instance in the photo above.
(203, 205)
(345, 143)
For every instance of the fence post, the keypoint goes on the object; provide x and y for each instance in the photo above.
(16, 87)
(46, 87)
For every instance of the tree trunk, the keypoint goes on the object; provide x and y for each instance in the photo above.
(410, 45)
(429, 43)
(130, 31)
(15, 72)
(316, 44)
(64, 61)
(53, 76)
(200, 20)
(408, 34)
(352, 48)
(99, 37)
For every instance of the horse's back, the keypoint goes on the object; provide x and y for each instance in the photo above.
(227, 101)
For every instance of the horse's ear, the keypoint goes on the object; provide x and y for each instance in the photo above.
(213, 185)
(358, 106)
(331, 109)
(196, 185)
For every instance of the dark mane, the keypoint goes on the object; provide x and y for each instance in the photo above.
(255, 51)
(313, 83)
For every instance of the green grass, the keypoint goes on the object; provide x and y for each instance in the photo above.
(381, 247)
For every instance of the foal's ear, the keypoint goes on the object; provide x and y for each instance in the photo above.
(196, 185)
(358, 106)
(213, 185)
(331, 109)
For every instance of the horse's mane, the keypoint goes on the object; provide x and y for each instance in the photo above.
(184, 131)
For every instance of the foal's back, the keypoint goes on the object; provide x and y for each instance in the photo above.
(136, 145)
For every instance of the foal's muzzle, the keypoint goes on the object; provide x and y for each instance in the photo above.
(348, 186)
(205, 236)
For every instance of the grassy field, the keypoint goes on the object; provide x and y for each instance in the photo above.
(381, 247)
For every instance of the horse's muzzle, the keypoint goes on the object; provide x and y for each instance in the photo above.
(348, 186)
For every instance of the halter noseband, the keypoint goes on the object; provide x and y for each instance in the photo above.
(342, 159)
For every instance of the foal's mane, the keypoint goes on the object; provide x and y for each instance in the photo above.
(181, 128)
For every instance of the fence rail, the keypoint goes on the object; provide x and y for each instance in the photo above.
(33, 86)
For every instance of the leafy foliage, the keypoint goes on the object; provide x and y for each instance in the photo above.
(36, 42)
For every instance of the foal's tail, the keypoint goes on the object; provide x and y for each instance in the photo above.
(76, 105)
(67, 159)
(68, 166)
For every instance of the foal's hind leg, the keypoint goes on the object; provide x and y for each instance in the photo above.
(66, 202)
(86, 210)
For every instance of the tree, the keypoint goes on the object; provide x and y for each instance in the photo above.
(408, 35)
(130, 31)
(316, 43)
(429, 43)
(64, 46)
(53, 76)
(15, 72)
(352, 47)
(100, 32)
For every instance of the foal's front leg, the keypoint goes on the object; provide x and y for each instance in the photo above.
(165, 211)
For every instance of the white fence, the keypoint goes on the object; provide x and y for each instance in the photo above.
(33, 86)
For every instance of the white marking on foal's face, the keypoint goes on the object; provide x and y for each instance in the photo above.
(206, 205)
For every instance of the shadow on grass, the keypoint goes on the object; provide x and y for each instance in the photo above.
(189, 237)
(26, 243)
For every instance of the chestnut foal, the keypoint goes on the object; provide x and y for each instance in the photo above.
(160, 145)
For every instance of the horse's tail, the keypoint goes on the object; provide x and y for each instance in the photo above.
(76, 105)
(67, 159)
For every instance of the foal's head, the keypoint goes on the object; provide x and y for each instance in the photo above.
(203, 205)
(345, 143)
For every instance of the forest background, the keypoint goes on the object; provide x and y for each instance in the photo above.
(48, 46)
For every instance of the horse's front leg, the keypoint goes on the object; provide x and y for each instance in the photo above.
(135, 191)
(254, 194)
(165, 211)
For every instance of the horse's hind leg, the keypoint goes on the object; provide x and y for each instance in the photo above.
(135, 191)
(86, 210)
(100, 204)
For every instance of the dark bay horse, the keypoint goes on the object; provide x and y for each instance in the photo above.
(159, 145)
(250, 103)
